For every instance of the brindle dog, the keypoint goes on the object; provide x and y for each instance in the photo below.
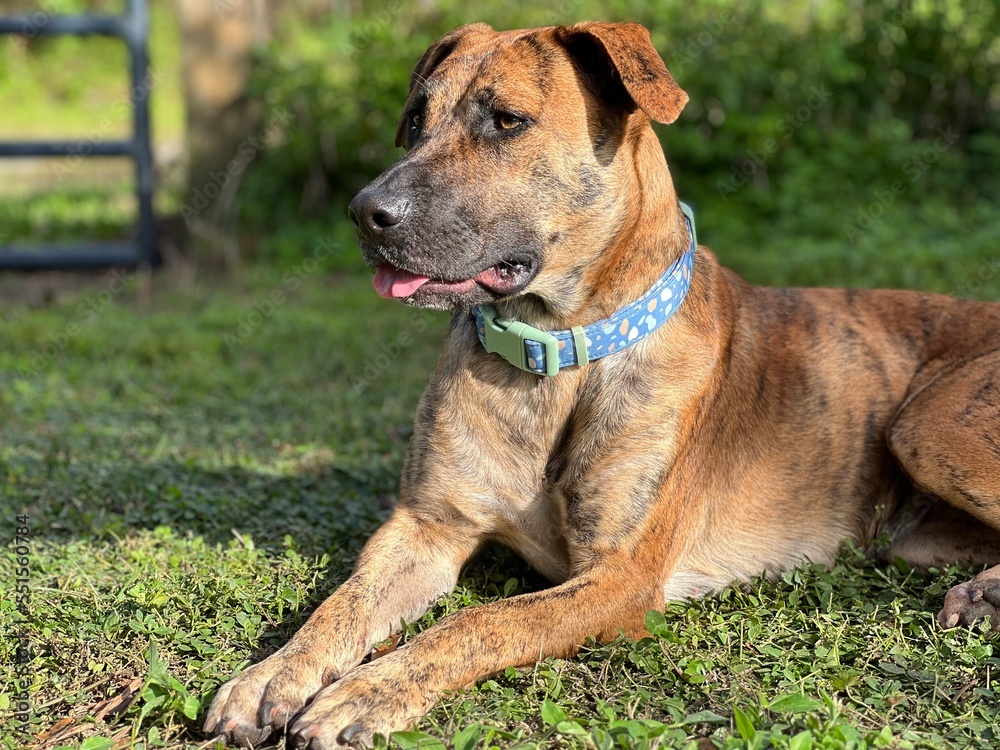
(756, 429)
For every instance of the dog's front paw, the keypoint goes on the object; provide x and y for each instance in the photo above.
(968, 603)
(266, 696)
(374, 698)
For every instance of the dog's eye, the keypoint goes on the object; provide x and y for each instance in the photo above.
(507, 121)
(415, 122)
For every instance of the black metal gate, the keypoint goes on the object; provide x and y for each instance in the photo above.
(133, 27)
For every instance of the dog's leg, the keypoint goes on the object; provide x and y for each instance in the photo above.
(403, 568)
(945, 536)
(947, 438)
(393, 692)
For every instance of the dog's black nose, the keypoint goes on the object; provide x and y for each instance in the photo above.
(374, 212)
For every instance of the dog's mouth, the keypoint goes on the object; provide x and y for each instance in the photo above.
(502, 280)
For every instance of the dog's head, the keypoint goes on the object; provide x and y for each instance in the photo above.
(519, 149)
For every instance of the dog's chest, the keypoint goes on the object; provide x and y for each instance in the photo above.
(592, 484)
(555, 468)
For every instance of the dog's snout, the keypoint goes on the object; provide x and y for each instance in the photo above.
(374, 212)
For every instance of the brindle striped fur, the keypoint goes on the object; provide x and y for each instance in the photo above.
(757, 429)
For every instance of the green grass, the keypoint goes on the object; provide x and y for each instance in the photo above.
(192, 499)
(76, 87)
(69, 214)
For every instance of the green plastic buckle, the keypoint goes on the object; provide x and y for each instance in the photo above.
(690, 216)
(507, 337)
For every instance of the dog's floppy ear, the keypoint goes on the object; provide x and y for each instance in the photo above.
(427, 63)
(634, 63)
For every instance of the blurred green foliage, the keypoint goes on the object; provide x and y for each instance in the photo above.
(801, 115)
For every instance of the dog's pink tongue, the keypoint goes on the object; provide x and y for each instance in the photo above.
(391, 282)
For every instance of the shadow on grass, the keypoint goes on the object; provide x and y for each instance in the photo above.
(141, 514)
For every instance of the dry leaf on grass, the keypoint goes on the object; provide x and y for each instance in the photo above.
(386, 647)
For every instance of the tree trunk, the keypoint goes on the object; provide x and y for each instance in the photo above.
(218, 39)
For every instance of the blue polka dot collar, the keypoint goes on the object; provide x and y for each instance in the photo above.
(546, 352)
